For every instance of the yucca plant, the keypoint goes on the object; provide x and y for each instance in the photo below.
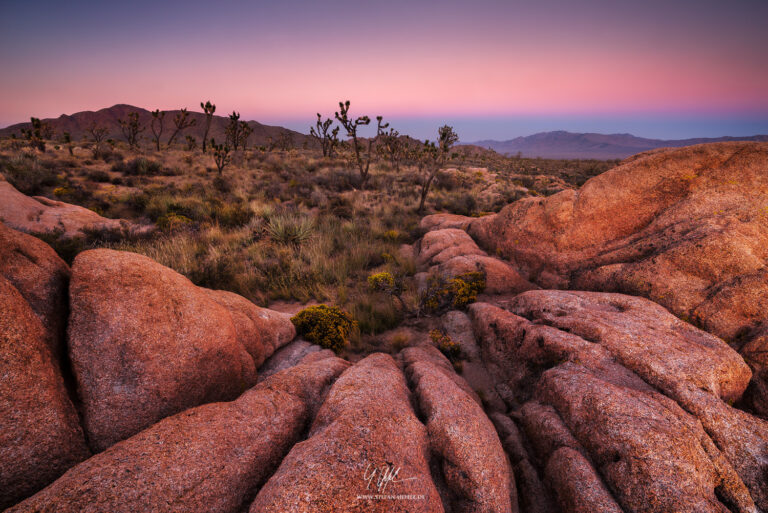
(290, 229)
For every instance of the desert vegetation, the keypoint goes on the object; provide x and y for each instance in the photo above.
(324, 222)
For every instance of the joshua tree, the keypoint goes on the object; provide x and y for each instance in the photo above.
(191, 143)
(328, 140)
(36, 135)
(284, 141)
(245, 133)
(431, 157)
(446, 138)
(131, 129)
(46, 130)
(363, 161)
(233, 130)
(68, 141)
(221, 155)
(181, 121)
(209, 109)
(333, 141)
(393, 147)
(98, 133)
(157, 125)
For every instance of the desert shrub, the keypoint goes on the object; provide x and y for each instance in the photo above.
(232, 214)
(389, 284)
(159, 205)
(138, 167)
(392, 235)
(73, 193)
(172, 221)
(327, 326)
(66, 247)
(450, 348)
(290, 229)
(458, 292)
(222, 185)
(28, 174)
(108, 155)
(69, 247)
(341, 207)
(60, 192)
(463, 204)
(381, 281)
(374, 315)
(97, 175)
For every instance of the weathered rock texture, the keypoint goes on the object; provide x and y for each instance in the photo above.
(38, 215)
(40, 435)
(687, 228)
(367, 427)
(442, 221)
(41, 277)
(360, 425)
(462, 438)
(290, 355)
(211, 458)
(451, 252)
(260, 330)
(146, 343)
(637, 397)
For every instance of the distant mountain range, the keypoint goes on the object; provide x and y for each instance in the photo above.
(568, 145)
(77, 126)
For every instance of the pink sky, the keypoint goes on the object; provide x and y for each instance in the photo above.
(453, 58)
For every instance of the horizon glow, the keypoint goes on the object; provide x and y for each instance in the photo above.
(495, 69)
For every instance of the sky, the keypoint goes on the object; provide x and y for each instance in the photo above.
(493, 69)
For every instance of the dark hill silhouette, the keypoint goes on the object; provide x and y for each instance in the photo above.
(77, 125)
(568, 145)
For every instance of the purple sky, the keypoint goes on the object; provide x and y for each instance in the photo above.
(494, 69)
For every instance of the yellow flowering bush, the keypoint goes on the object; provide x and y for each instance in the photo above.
(456, 292)
(382, 281)
(327, 326)
(450, 348)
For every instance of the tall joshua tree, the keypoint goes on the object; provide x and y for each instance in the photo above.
(328, 140)
(431, 158)
(98, 134)
(36, 135)
(67, 138)
(181, 121)
(233, 130)
(131, 129)
(208, 108)
(221, 156)
(393, 147)
(245, 133)
(351, 126)
(157, 126)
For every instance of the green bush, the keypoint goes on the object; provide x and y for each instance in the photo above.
(443, 294)
(28, 174)
(327, 326)
(138, 167)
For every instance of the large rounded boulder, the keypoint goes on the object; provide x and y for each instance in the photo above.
(40, 436)
(40, 276)
(146, 343)
(686, 228)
